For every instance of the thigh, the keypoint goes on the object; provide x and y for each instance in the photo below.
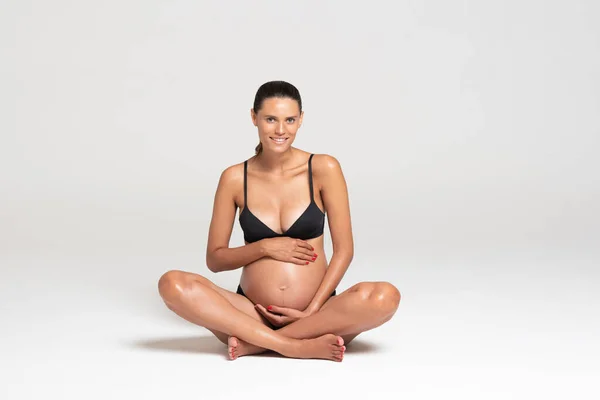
(240, 302)
(341, 301)
(368, 304)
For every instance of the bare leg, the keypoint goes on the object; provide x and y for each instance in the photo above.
(362, 307)
(190, 297)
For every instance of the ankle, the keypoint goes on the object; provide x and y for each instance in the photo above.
(291, 347)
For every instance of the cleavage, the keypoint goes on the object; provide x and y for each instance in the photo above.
(273, 221)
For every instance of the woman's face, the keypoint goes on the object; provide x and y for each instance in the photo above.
(277, 121)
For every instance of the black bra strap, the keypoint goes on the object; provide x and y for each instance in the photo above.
(245, 184)
(310, 180)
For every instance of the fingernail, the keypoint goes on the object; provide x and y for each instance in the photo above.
(269, 308)
(314, 258)
(307, 263)
(315, 255)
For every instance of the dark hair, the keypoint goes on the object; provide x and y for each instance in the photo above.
(271, 89)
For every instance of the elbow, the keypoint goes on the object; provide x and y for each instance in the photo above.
(212, 267)
(344, 249)
(211, 261)
(347, 254)
(350, 255)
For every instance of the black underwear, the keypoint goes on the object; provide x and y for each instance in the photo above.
(240, 291)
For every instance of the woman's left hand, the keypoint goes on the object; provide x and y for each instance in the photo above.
(281, 316)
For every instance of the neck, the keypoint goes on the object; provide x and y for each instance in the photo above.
(275, 162)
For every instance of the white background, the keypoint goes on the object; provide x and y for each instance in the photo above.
(468, 133)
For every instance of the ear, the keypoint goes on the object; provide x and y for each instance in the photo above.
(253, 116)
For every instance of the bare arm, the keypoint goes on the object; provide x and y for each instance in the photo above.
(230, 258)
(219, 256)
(335, 200)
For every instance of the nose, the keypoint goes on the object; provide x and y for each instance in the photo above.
(280, 129)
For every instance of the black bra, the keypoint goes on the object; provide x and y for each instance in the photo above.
(308, 226)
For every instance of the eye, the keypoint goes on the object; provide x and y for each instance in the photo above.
(270, 119)
(291, 120)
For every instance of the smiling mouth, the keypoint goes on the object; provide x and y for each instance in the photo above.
(279, 140)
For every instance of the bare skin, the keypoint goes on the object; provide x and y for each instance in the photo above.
(199, 301)
(362, 307)
(288, 282)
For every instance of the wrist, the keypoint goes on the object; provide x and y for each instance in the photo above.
(263, 248)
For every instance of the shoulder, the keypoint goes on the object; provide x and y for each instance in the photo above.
(232, 175)
(325, 165)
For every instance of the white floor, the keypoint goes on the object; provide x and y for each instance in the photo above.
(95, 328)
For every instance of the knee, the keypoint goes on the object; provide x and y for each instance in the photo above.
(388, 294)
(380, 296)
(172, 285)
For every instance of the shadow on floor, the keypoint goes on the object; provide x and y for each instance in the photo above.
(211, 345)
(192, 344)
(358, 346)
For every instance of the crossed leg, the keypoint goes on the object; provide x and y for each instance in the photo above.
(194, 298)
(362, 307)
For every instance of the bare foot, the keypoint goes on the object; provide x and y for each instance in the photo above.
(329, 347)
(237, 348)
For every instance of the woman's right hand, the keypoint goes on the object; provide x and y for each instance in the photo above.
(290, 250)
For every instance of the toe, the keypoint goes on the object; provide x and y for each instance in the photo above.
(232, 341)
(340, 341)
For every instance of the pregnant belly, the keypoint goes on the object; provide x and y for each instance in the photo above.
(272, 282)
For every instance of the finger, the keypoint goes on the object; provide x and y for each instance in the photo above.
(302, 243)
(274, 319)
(298, 261)
(264, 313)
(284, 321)
(303, 256)
(281, 310)
(307, 251)
(310, 253)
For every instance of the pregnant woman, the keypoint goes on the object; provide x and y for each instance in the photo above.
(286, 300)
